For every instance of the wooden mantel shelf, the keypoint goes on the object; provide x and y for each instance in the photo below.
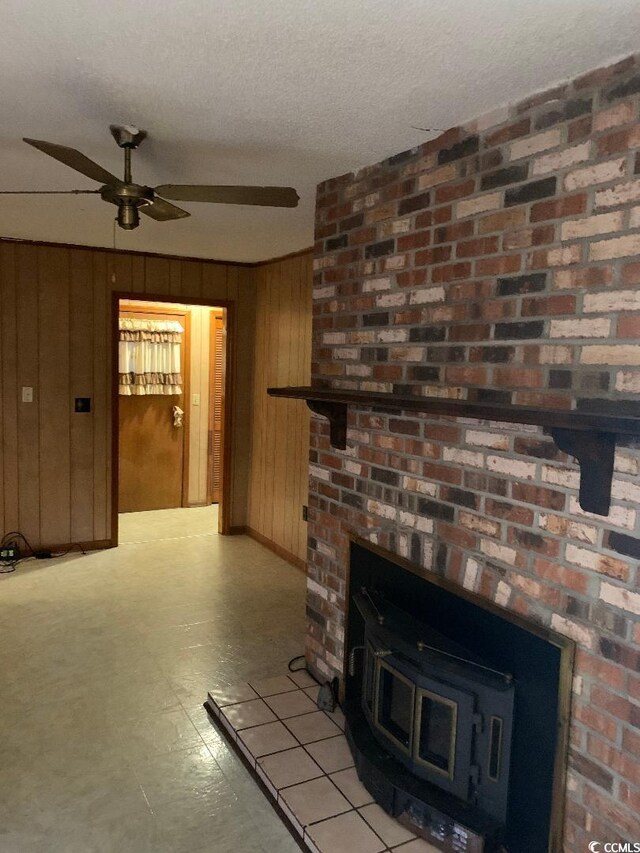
(589, 436)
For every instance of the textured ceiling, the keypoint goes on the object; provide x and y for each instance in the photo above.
(261, 92)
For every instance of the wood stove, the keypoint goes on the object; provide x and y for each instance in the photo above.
(456, 710)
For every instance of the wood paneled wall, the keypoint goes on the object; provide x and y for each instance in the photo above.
(55, 335)
(280, 429)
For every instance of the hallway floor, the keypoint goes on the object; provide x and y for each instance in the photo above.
(105, 661)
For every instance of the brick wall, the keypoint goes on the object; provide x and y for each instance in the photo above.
(496, 263)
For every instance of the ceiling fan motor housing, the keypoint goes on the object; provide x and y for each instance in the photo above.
(128, 198)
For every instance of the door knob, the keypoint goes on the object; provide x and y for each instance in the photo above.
(178, 415)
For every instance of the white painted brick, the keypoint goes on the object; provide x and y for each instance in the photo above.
(383, 510)
(359, 435)
(359, 370)
(564, 477)
(353, 467)
(611, 170)
(583, 532)
(498, 552)
(479, 524)
(319, 473)
(534, 144)
(619, 516)
(316, 588)
(491, 119)
(382, 387)
(371, 285)
(346, 353)
(427, 294)
(619, 597)
(403, 545)
(563, 256)
(471, 570)
(487, 439)
(577, 685)
(622, 490)
(463, 457)
(397, 262)
(361, 337)
(561, 159)
(512, 467)
(334, 338)
(325, 292)
(469, 207)
(583, 636)
(619, 114)
(615, 354)
(326, 550)
(324, 262)
(634, 218)
(503, 593)
(391, 300)
(424, 487)
(437, 176)
(424, 525)
(599, 328)
(620, 194)
(613, 300)
(413, 354)
(582, 557)
(450, 392)
(627, 380)
(624, 463)
(603, 223)
(555, 354)
(619, 247)
(392, 336)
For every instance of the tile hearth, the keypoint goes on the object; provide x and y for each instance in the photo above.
(302, 758)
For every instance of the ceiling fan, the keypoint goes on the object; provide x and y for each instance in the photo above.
(132, 199)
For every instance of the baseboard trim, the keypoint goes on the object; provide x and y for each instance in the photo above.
(277, 549)
(237, 531)
(94, 545)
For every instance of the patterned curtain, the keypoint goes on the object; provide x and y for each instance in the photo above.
(149, 357)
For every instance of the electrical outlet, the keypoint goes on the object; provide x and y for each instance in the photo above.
(305, 513)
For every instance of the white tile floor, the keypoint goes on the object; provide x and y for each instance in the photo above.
(105, 661)
(305, 764)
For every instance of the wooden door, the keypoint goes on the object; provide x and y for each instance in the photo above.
(152, 449)
(216, 403)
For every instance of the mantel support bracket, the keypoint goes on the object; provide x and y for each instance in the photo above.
(595, 452)
(337, 415)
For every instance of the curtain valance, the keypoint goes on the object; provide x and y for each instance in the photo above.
(149, 357)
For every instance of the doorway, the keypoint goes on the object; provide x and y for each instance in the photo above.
(169, 413)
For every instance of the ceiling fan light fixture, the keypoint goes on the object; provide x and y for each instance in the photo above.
(128, 216)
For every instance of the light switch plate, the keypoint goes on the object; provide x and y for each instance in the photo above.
(195, 399)
(27, 394)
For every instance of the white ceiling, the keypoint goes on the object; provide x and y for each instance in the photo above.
(261, 92)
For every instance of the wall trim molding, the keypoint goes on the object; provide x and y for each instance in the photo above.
(277, 549)
(139, 252)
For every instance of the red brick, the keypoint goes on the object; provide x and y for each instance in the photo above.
(450, 233)
(451, 272)
(424, 219)
(548, 306)
(629, 327)
(442, 214)
(579, 129)
(510, 512)
(498, 266)
(597, 721)
(502, 221)
(469, 332)
(449, 192)
(546, 498)
(517, 377)
(619, 141)
(630, 273)
(617, 706)
(417, 240)
(625, 822)
(558, 208)
(411, 278)
(443, 473)
(513, 131)
(479, 246)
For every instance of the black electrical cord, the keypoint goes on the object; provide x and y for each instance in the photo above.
(293, 668)
(41, 554)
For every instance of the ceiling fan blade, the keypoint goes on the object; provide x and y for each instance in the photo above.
(268, 196)
(49, 192)
(75, 159)
(161, 210)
